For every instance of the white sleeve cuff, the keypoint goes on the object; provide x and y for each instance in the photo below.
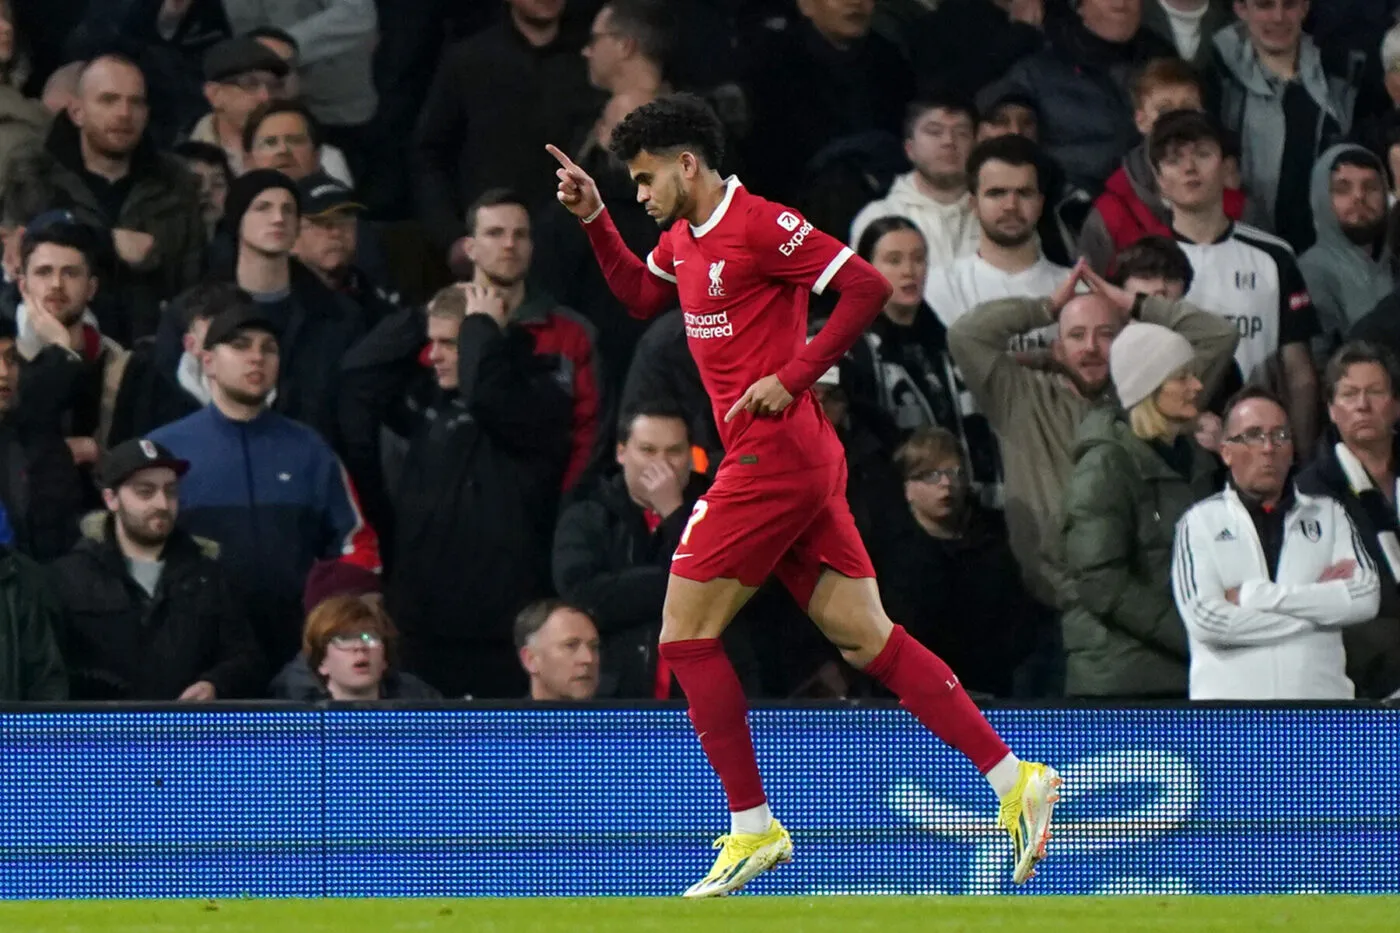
(594, 216)
(657, 270)
(831, 269)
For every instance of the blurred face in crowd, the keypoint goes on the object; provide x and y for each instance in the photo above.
(1393, 157)
(562, 658)
(270, 225)
(500, 246)
(1164, 99)
(935, 492)
(901, 257)
(213, 189)
(111, 109)
(1178, 396)
(938, 144)
(194, 339)
(834, 403)
(1087, 327)
(326, 242)
(1010, 120)
(654, 440)
(1111, 20)
(537, 12)
(442, 348)
(290, 87)
(1363, 406)
(235, 98)
(283, 142)
(244, 368)
(1192, 176)
(1008, 202)
(146, 505)
(7, 34)
(1258, 447)
(9, 374)
(1275, 26)
(355, 664)
(1358, 200)
(840, 21)
(57, 279)
(605, 52)
(1172, 290)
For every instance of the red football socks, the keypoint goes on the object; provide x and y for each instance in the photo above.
(930, 690)
(719, 711)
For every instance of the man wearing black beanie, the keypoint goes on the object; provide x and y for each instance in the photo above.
(317, 326)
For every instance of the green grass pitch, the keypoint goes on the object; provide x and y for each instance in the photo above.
(1313, 914)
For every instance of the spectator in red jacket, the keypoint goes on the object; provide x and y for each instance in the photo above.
(1131, 206)
(500, 247)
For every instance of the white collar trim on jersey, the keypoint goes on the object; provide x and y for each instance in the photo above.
(731, 185)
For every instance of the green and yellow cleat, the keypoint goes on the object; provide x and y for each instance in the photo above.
(1025, 815)
(743, 857)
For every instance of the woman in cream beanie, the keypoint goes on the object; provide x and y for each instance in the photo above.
(1136, 472)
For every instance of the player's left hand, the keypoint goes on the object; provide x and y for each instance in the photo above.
(765, 397)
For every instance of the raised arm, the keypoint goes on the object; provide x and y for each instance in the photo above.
(644, 288)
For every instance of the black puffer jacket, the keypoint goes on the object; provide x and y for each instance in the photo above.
(1080, 86)
(121, 644)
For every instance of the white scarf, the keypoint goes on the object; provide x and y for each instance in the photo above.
(1360, 481)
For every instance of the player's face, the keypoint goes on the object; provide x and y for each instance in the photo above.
(1363, 406)
(654, 440)
(1088, 325)
(146, 505)
(1008, 202)
(934, 494)
(57, 279)
(501, 247)
(1275, 26)
(1158, 287)
(1165, 99)
(902, 259)
(442, 349)
(1258, 460)
(661, 185)
(562, 658)
(354, 663)
(1358, 200)
(244, 368)
(938, 146)
(1192, 176)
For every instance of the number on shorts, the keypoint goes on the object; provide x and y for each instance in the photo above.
(696, 514)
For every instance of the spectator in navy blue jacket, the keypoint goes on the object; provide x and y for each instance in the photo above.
(268, 489)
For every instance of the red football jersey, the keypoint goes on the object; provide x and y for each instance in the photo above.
(743, 278)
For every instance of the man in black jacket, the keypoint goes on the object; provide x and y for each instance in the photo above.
(40, 487)
(1357, 464)
(147, 614)
(470, 515)
(612, 550)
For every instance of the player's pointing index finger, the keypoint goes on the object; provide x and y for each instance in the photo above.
(558, 154)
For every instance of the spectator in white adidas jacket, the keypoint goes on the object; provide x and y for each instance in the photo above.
(1266, 577)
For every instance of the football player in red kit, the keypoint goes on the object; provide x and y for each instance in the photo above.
(741, 268)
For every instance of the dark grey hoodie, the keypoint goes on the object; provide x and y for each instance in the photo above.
(1345, 280)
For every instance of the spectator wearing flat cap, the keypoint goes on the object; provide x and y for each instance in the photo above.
(316, 325)
(269, 490)
(240, 74)
(99, 162)
(147, 611)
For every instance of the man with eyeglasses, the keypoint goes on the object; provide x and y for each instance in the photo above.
(1265, 576)
(1357, 464)
(240, 75)
(946, 571)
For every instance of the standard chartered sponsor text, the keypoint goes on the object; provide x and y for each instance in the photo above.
(708, 326)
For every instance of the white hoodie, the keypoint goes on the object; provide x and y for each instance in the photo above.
(951, 230)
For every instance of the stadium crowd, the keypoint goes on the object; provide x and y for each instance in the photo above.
(309, 388)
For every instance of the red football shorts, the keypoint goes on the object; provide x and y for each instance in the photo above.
(790, 525)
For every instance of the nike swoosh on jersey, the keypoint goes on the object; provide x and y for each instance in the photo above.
(681, 556)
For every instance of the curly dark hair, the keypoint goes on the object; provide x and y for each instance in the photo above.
(677, 121)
